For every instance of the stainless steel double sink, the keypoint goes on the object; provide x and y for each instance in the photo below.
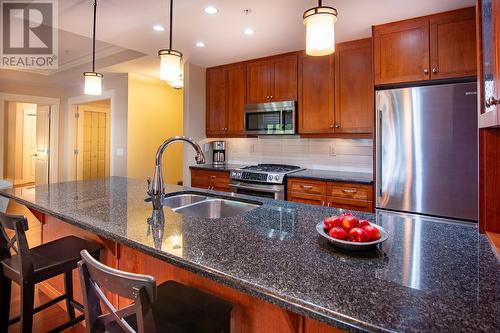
(207, 206)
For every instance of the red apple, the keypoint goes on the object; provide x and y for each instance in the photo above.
(338, 233)
(358, 235)
(373, 232)
(349, 222)
(331, 222)
(363, 223)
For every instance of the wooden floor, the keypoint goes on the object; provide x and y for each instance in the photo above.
(48, 318)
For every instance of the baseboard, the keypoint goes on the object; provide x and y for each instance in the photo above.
(494, 239)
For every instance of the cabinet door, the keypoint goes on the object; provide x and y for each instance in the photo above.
(284, 79)
(402, 51)
(216, 102)
(453, 44)
(259, 81)
(316, 94)
(304, 198)
(211, 180)
(354, 109)
(236, 96)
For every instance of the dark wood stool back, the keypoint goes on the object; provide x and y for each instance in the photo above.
(18, 224)
(141, 289)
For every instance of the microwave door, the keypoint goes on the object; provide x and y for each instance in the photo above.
(262, 122)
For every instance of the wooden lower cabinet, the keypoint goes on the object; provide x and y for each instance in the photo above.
(249, 315)
(210, 180)
(350, 196)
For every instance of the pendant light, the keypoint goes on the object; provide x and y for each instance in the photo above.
(170, 59)
(93, 85)
(320, 30)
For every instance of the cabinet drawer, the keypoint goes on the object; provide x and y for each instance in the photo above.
(351, 204)
(218, 181)
(304, 198)
(307, 186)
(350, 191)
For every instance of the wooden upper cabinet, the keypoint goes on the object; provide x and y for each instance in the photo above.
(272, 80)
(216, 101)
(453, 44)
(402, 51)
(284, 79)
(236, 93)
(316, 94)
(440, 46)
(354, 109)
(258, 81)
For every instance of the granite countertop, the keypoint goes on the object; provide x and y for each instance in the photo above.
(212, 167)
(340, 176)
(430, 275)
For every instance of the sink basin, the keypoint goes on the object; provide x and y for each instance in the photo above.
(181, 200)
(216, 208)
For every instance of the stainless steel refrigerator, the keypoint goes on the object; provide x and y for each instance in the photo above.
(427, 150)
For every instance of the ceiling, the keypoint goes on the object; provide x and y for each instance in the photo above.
(127, 42)
(277, 24)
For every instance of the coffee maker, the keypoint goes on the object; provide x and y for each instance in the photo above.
(219, 153)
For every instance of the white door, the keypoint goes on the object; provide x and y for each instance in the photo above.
(29, 145)
(42, 144)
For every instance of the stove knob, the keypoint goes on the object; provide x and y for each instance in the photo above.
(270, 177)
(277, 177)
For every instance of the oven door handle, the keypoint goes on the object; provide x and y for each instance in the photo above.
(256, 188)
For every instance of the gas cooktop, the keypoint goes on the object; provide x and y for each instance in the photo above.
(264, 173)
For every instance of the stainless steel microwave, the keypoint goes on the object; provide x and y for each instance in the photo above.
(276, 118)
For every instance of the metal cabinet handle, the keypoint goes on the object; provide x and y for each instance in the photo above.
(322, 203)
(328, 204)
(349, 191)
(435, 70)
(271, 97)
(331, 126)
(337, 126)
(306, 187)
(492, 101)
(426, 71)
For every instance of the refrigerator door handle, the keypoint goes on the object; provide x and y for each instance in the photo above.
(379, 153)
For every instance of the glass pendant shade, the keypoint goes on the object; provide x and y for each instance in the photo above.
(177, 84)
(170, 65)
(320, 30)
(93, 83)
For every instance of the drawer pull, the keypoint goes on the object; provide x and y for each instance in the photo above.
(350, 191)
(306, 187)
(322, 203)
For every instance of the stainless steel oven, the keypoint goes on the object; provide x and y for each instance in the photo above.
(270, 191)
(276, 118)
(263, 180)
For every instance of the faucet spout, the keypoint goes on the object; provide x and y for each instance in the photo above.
(156, 188)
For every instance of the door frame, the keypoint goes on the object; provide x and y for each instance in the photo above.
(27, 149)
(54, 128)
(73, 103)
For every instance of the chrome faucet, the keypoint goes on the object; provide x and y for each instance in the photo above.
(156, 189)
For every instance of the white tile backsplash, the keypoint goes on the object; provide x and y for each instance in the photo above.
(326, 154)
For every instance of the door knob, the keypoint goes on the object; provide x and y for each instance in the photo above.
(492, 101)
(435, 70)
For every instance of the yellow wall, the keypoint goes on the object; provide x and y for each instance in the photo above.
(154, 114)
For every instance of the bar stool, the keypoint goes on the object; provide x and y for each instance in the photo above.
(28, 267)
(170, 307)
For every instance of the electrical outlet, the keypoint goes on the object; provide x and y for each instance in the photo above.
(332, 151)
(206, 147)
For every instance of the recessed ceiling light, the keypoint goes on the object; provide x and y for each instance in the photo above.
(200, 44)
(211, 10)
(158, 28)
(248, 31)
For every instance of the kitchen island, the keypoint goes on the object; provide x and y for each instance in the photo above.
(281, 276)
